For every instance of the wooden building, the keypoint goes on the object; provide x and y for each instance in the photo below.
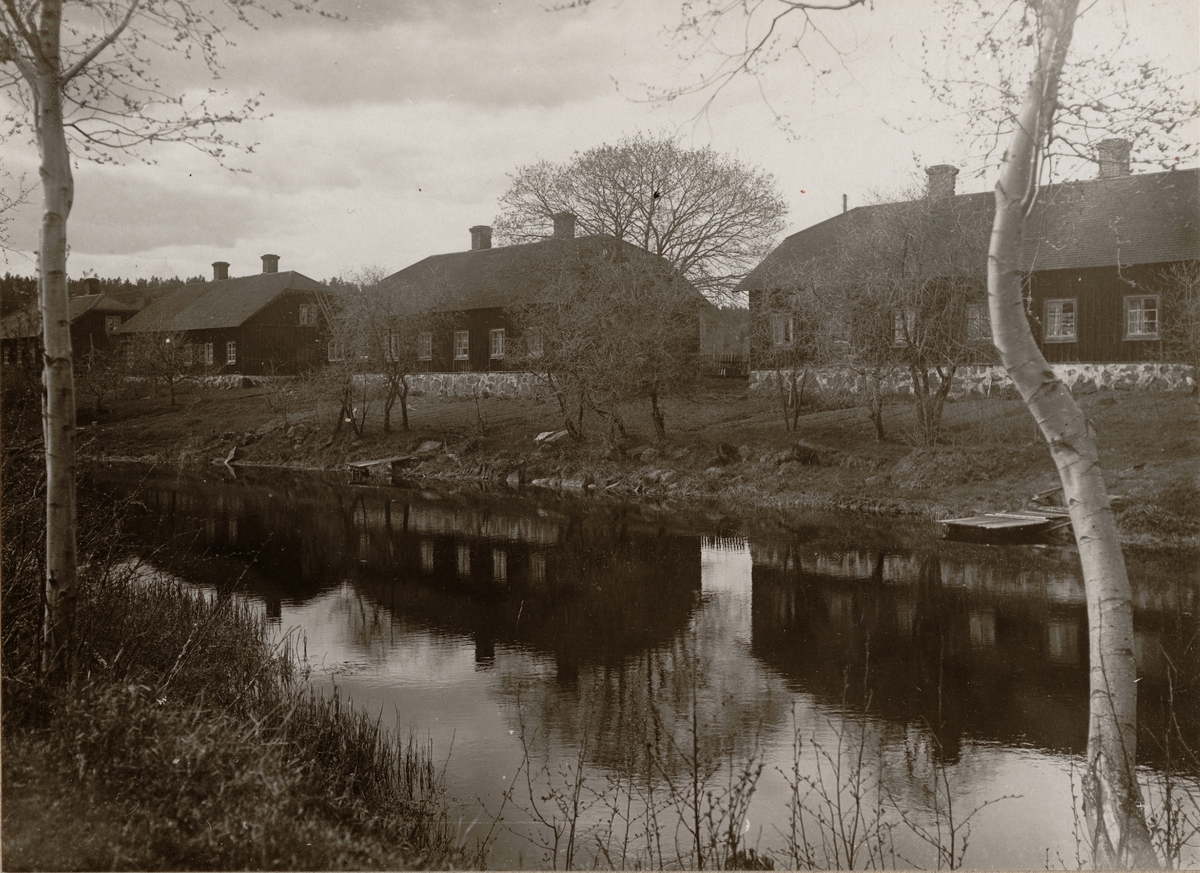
(95, 318)
(1099, 255)
(271, 323)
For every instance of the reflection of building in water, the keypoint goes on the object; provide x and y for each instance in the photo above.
(951, 637)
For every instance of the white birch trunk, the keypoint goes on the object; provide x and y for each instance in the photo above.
(1112, 800)
(58, 384)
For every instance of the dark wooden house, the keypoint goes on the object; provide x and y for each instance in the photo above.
(1098, 256)
(477, 294)
(95, 318)
(271, 323)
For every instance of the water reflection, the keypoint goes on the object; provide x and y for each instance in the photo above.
(519, 631)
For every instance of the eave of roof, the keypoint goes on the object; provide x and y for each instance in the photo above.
(223, 303)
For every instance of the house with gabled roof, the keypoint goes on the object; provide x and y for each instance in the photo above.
(1097, 256)
(480, 289)
(95, 317)
(270, 323)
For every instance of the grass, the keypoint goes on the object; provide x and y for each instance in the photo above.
(186, 740)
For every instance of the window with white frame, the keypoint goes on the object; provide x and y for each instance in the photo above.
(425, 345)
(335, 351)
(533, 341)
(393, 347)
(111, 323)
(206, 354)
(1060, 321)
(463, 559)
(904, 323)
(979, 322)
(231, 352)
(308, 313)
(782, 329)
(1141, 317)
(499, 565)
(496, 342)
(462, 345)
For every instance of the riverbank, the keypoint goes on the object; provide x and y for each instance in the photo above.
(725, 445)
(184, 738)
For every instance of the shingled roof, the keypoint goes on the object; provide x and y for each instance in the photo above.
(1147, 218)
(222, 303)
(491, 277)
(28, 322)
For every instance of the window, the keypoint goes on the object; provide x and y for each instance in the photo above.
(463, 559)
(335, 351)
(1060, 321)
(426, 556)
(979, 322)
(782, 329)
(462, 344)
(1141, 317)
(499, 565)
(496, 342)
(206, 354)
(189, 354)
(533, 338)
(308, 313)
(425, 342)
(904, 323)
(111, 323)
(231, 352)
(393, 347)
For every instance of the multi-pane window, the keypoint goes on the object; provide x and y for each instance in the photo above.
(782, 329)
(425, 343)
(111, 323)
(979, 322)
(904, 322)
(462, 345)
(308, 313)
(496, 342)
(533, 339)
(231, 352)
(335, 351)
(1141, 317)
(393, 349)
(1060, 321)
(499, 565)
(206, 354)
(463, 559)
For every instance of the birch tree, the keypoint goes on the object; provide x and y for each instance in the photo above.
(83, 70)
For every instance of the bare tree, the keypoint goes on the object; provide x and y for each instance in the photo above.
(609, 323)
(787, 340)
(84, 69)
(710, 216)
(166, 357)
(1180, 313)
(393, 325)
(100, 373)
(906, 288)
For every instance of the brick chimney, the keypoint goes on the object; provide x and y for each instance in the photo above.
(941, 180)
(91, 285)
(220, 270)
(481, 237)
(1113, 155)
(270, 263)
(564, 225)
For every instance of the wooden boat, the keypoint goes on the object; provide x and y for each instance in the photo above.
(1006, 527)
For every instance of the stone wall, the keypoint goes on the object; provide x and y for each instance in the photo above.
(992, 381)
(504, 385)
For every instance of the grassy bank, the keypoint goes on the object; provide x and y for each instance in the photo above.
(724, 444)
(185, 739)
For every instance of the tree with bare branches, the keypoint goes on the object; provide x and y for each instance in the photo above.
(709, 215)
(83, 74)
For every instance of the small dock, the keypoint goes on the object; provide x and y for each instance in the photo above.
(362, 469)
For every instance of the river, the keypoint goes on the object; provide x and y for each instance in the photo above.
(614, 684)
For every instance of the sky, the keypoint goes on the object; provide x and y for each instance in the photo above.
(394, 129)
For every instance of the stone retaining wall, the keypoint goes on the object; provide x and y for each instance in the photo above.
(992, 381)
(503, 385)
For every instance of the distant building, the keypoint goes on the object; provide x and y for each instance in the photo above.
(95, 318)
(1096, 254)
(263, 324)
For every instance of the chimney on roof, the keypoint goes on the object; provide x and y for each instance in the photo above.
(941, 180)
(270, 263)
(1113, 155)
(564, 225)
(481, 237)
(91, 285)
(220, 270)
